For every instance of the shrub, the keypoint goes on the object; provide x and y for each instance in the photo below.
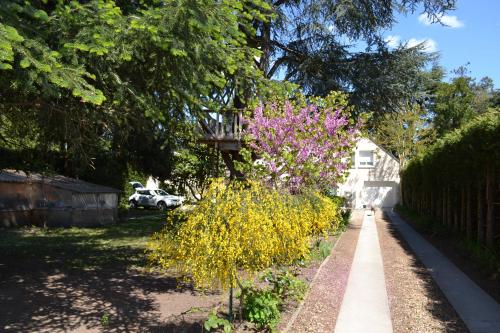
(454, 173)
(214, 322)
(261, 307)
(286, 286)
(320, 250)
(346, 218)
(242, 226)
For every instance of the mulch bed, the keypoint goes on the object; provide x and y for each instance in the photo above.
(416, 302)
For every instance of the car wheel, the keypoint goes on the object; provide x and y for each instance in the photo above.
(132, 204)
(162, 206)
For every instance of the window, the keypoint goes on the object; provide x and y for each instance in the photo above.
(161, 192)
(366, 158)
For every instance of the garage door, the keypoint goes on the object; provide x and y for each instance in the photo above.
(379, 194)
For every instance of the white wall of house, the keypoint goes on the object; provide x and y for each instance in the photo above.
(373, 179)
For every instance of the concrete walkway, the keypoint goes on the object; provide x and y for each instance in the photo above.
(479, 311)
(365, 305)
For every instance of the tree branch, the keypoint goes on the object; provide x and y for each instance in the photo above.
(287, 49)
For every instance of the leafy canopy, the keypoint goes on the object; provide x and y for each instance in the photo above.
(99, 84)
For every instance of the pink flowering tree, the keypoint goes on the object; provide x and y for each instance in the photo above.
(296, 146)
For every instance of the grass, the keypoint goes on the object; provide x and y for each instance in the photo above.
(122, 243)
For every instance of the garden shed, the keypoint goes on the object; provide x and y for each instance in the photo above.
(43, 200)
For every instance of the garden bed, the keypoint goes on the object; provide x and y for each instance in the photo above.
(91, 279)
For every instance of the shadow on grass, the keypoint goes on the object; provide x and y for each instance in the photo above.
(62, 280)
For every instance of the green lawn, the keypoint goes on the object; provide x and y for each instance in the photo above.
(88, 248)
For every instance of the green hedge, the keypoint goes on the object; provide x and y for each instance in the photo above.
(456, 181)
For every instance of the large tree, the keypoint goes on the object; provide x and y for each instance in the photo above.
(86, 82)
(91, 82)
(405, 132)
(330, 45)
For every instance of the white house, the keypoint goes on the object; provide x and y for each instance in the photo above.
(373, 179)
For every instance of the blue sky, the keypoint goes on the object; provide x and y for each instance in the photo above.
(472, 35)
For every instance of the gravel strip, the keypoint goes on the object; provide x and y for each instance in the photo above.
(322, 304)
(416, 302)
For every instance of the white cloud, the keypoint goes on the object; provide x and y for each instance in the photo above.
(430, 45)
(392, 40)
(450, 21)
(424, 19)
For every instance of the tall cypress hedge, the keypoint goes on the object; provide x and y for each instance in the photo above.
(457, 180)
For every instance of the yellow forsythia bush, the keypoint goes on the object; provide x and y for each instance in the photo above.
(242, 226)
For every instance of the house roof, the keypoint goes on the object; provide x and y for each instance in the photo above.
(66, 183)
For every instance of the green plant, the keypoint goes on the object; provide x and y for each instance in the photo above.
(105, 319)
(488, 258)
(213, 322)
(285, 285)
(261, 307)
(450, 179)
(346, 218)
(423, 223)
(320, 250)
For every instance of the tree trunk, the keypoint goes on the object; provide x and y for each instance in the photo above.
(443, 206)
(449, 212)
(480, 220)
(490, 228)
(468, 212)
(229, 158)
(432, 205)
(463, 210)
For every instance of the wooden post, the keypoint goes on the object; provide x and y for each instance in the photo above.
(218, 125)
(235, 126)
(240, 124)
(490, 228)
(480, 220)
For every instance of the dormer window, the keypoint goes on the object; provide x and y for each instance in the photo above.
(365, 158)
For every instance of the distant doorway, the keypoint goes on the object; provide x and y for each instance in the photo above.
(378, 194)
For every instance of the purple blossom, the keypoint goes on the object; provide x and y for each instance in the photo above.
(302, 146)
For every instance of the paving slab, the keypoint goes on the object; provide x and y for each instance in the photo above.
(479, 311)
(365, 307)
